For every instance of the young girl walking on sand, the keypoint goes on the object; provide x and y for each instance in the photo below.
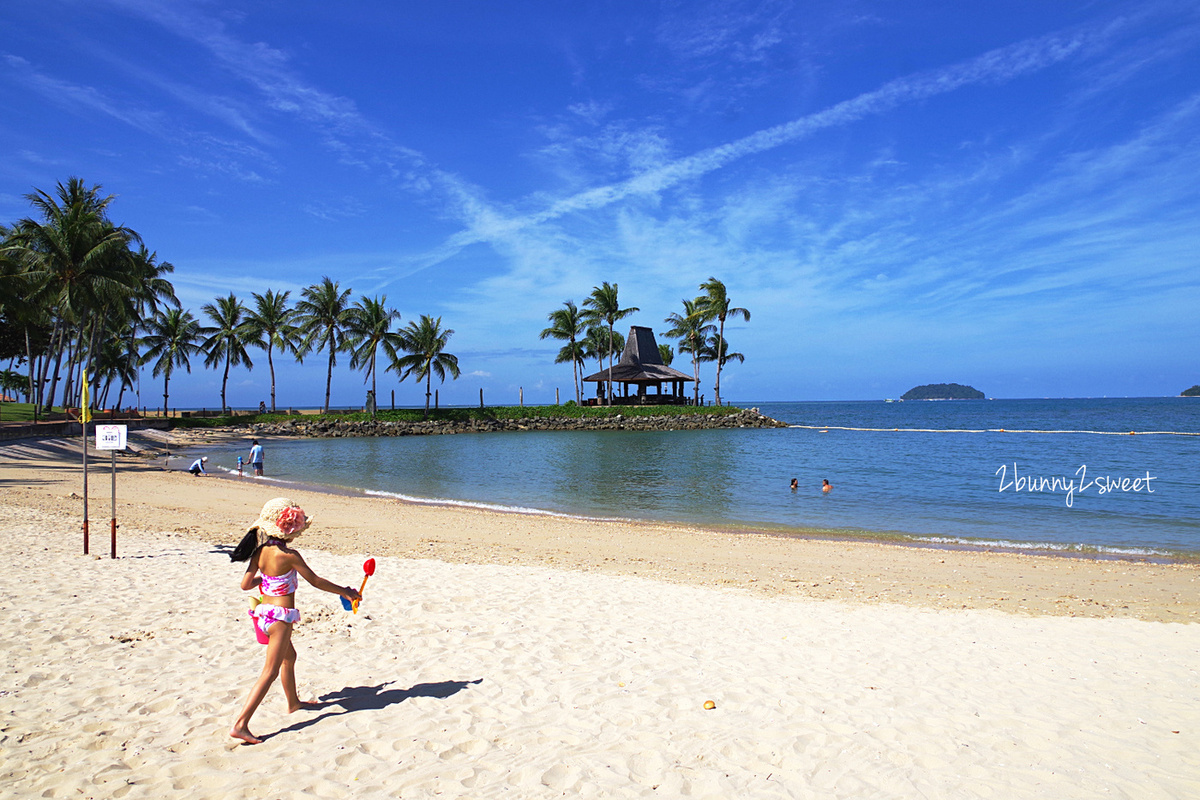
(275, 569)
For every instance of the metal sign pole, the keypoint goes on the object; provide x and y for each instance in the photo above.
(112, 437)
(85, 407)
(83, 418)
(114, 503)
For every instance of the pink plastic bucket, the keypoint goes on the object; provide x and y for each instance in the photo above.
(258, 634)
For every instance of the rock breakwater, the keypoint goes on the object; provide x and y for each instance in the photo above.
(331, 427)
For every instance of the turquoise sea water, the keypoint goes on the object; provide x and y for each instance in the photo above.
(964, 472)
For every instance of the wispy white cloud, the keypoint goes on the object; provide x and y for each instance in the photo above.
(267, 68)
(82, 99)
(735, 31)
(39, 158)
(329, 211)
(998, 65)
(232, 112)
(224, 166)
(578, 156)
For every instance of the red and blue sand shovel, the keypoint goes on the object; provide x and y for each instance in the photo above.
(369, 570)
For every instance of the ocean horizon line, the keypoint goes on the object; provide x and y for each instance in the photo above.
(737, 403)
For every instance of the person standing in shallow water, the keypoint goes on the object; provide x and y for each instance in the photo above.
(826, 486)
(275, 569)
(256, 457)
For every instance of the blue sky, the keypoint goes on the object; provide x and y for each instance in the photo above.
(1002, 194)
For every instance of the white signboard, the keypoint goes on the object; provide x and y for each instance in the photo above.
(111, 437)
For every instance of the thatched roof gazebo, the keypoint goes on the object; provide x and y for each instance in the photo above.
(641, 366)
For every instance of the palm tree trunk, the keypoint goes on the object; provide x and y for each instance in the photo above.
(166, 392)
(69, 394)
(93, 345)
(57, 345)
(696, 374)
(32, 368)
(720, 350)
(328, 377)
(224, 381)
(575, 374)
(610, 349)
(374, 386)
(428, 378)
(271, 364)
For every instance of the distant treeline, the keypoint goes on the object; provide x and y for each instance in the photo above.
(84, 305)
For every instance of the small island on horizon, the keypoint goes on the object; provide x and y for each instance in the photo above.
(1192, 392)
(943, 391)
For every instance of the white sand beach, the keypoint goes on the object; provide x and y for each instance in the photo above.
(472, 671)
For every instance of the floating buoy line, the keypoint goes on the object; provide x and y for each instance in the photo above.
(826, 428)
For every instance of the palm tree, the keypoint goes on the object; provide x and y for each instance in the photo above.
(116, 361)
(715, 304)
(666, 354)
(717, 349)
(153, 286)
(369, 327)
(596, 344)
(567, 325)
(12, 381)
(170, 342)
(324, 316)
(691, 330)
(154, 290)
(424, 343)
(22, 322)
(79, 263)
(227, 338)
(603, 307)
(272, 325)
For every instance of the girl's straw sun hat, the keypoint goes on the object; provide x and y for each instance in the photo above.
(280, 519)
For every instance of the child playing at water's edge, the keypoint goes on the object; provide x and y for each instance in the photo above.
(275, 569)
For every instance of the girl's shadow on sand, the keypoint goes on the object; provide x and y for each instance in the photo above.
(367, 698)
(359, 698)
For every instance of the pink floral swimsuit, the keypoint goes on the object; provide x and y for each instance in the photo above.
(265, 614)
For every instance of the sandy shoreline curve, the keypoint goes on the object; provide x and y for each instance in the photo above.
(500, 655)
(46, 474)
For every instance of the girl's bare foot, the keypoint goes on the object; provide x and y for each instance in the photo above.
(245, 735)
(302, 706)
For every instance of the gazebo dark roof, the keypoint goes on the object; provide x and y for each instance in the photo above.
(640, 362)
